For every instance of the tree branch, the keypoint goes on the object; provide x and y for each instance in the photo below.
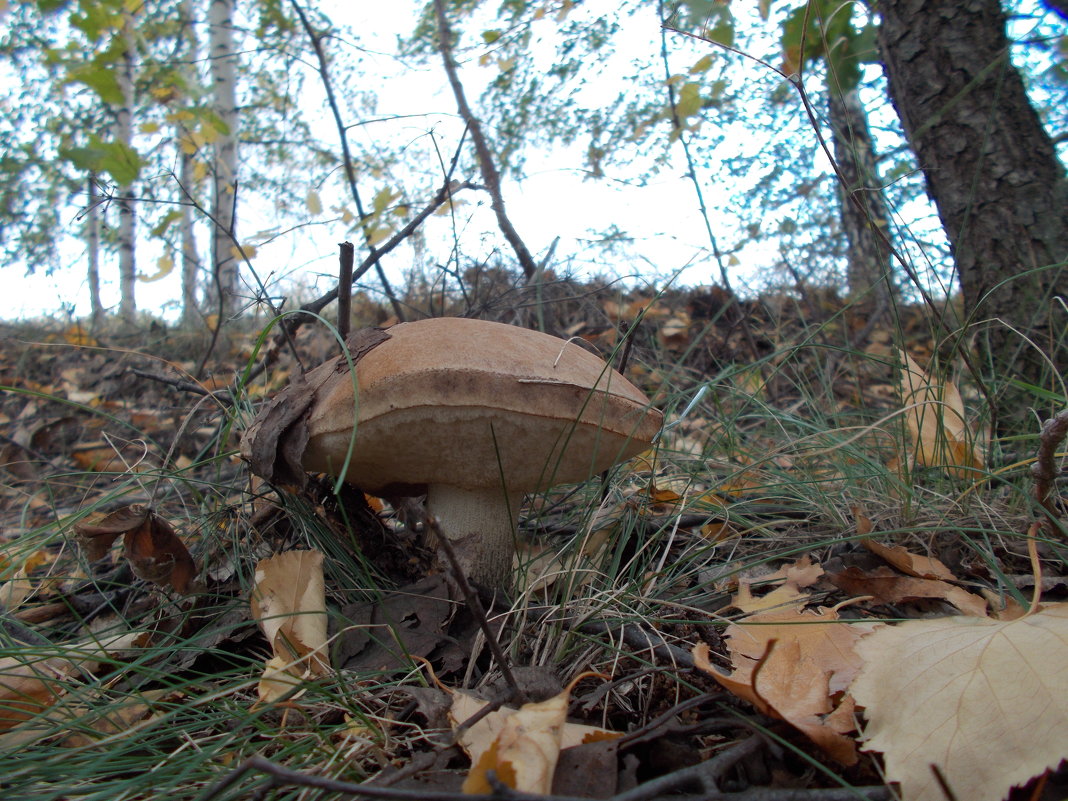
(350, 171)
(490, 176)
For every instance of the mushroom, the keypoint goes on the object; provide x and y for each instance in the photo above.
(474, 414)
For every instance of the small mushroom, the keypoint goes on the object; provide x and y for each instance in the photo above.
(474, 414)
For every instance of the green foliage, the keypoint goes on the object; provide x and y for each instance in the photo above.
(824, 29)
(98, 75)
(117, 159)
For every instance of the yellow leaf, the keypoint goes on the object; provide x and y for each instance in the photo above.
(188, 144)
(164, 266)
(149, 127)
(289, 604)
(383, 199)
(75, 334)
(522, 746)
(200, 169)
(208, 133)
(689, 102)
(985, 701)
(378, 234)
(249, 252)
(314, 204)
(703, 64)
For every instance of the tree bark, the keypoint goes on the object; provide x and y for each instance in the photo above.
(863, 207)
(92, 251)
(187, 176)
(992, 171)
(127, 228)
(224, 76)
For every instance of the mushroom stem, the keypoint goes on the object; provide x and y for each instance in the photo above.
(480, 525)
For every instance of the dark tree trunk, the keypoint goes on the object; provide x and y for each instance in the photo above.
(863, 206)
(992, 171)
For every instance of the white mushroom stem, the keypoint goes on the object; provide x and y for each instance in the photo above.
(480, 525)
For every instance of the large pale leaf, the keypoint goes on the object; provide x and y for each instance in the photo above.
(289, 603)
(984, 701)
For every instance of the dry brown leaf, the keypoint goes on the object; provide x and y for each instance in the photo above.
(984, 701)
(888, 587)
(940, 434)
(795, 576)
(151, 545)
(521, 746)
(289, 604)
(909, 563)
(16, 584)
(794, 664)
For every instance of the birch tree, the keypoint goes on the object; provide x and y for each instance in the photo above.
(225, 174)
(123, 135)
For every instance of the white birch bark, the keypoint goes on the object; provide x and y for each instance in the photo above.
(224, 77)
(123, 132)
(186, 175)
(92, 252)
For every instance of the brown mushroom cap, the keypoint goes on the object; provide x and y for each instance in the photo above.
(476, 404)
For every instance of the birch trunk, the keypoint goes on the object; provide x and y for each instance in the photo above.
(186, 175)
(123, 132)
(92, 251)
(224, 77)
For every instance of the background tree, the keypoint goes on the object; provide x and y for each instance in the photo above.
(222, 48)
(991, 169)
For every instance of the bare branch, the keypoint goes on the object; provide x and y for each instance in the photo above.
(490, 176)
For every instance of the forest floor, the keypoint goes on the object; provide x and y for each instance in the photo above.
(657, 642)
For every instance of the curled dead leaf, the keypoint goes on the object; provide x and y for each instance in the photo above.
(150, 543)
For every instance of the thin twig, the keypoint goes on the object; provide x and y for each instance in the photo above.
(344, 290)
(350, 171)
(490, 176)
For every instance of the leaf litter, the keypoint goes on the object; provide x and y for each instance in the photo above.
(805, 644)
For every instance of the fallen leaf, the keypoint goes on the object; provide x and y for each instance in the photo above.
(289, 604)
(910, 563)
(937, 426)
(794, 663)
(888, 587)
(150, 543)
(16, 585)
(984, 701)
(30, 685)
(522, 745)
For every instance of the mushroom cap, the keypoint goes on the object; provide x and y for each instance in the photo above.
(475, 404)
